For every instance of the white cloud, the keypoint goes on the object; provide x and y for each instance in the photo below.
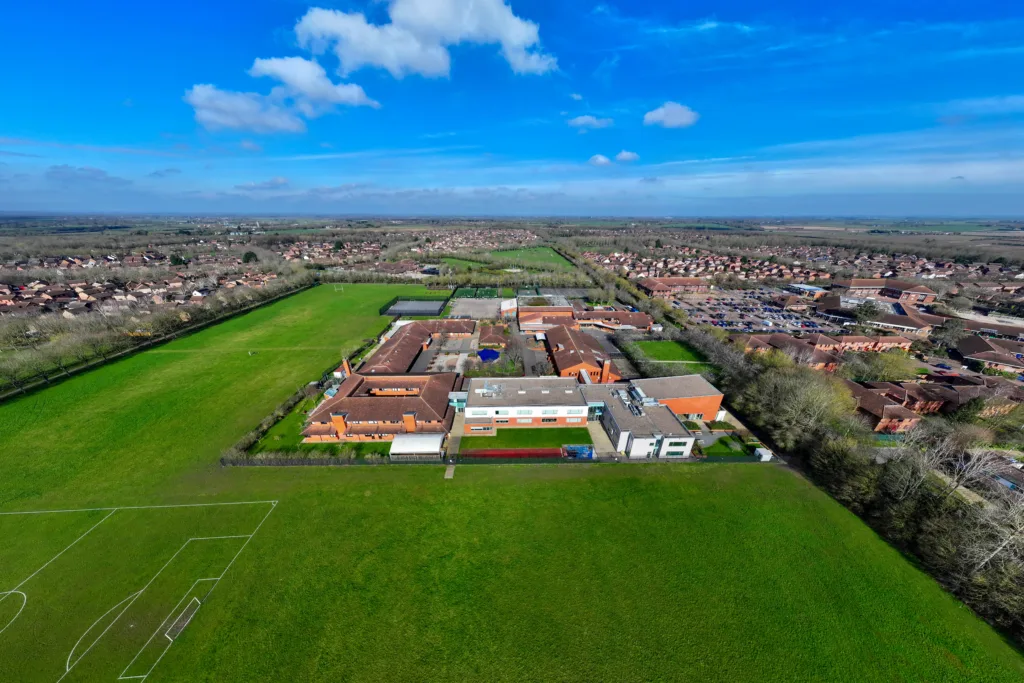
(671, 115)
(589, 121)
(1010, 104)
(419, 35)
(278, 183)
(250, 146)
(305, 91)
(221, 109)
(600, 160)
(625, 156)
(307, 83)
(576, 96)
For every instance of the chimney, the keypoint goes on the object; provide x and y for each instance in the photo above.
(347, 367)
(340, 422)
(606, 368)
(409, 422)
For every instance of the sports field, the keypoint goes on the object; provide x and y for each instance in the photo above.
(529, 438)
(544, 258)
(515, 573)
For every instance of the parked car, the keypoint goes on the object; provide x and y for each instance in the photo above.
(944, 366)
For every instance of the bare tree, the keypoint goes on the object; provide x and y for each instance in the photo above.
(1001, 532)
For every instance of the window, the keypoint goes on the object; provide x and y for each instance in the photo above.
(502, 422)
(527, 421)
(524, 411)
(573, 419)
(549, 411)
(549, 420)
(479, 429)
(501, 412)
(478, 413)
(575, 411)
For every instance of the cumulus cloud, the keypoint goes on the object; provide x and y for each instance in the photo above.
(576, 96)
(250, 146)
(68, 176)
(625, 156)
(222, 109)
(304, 92)
(671, 115)
(589, 121)
(164, 173)
(277, 183)
(600, 160)
(307, 83)
(417, 39)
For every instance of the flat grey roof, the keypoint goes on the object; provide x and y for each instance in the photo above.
(687, 386)
(524, 391)
(654, 419)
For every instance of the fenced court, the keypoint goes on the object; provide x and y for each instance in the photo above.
(103, 593)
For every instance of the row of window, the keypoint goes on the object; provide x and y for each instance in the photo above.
(524, 412)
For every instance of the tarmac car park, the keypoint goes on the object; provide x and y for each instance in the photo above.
(750, 311)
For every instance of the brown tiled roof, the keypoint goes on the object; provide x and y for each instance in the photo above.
(400, 352)
(493, 335)
(356, 398)
(570, 348)
(639, 320)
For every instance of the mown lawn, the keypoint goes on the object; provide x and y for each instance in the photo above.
(542, 258)
(553, 437)
(391, 573)
(669, 351)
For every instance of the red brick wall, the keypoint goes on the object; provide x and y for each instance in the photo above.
(708, 406)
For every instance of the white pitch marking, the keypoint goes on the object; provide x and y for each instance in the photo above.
(273, 505)
(105, 518)
(24, 601)
(142, 507)
(131, 598)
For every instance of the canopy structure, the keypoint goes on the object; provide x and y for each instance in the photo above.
(488, 355)
(417, 446)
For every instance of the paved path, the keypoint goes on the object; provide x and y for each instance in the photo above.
(449, 472)
(602, 444)
(455, 437)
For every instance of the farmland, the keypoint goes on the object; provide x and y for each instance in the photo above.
(515, 573)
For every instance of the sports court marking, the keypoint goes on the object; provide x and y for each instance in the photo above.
(177, 624)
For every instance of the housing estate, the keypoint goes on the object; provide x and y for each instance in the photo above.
(638, 425)
(379, 407)
(491, 404)
(999, 354)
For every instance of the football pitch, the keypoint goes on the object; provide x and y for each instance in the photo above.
(119, 583)
(127, 553)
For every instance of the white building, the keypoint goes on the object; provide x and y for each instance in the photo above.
(501, 403)
(639, 427)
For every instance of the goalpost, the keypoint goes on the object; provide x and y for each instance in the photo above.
(339, 287)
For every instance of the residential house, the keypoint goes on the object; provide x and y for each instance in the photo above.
(669, 287)
(883, 414)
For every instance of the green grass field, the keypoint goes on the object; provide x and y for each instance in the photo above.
(555, 437)
(391, 573)
(542, 258)
(669, 351)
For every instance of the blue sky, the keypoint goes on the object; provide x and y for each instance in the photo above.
(478, 107)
